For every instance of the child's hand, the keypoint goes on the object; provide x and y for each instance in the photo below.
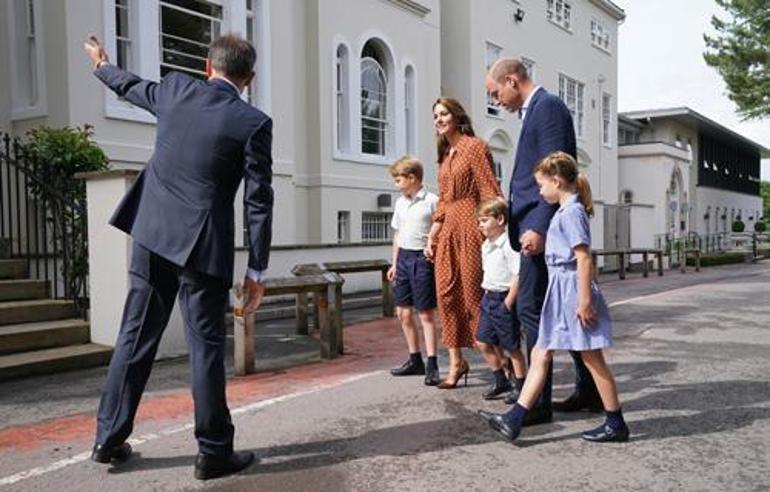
(391, 273)
(429, 248)
(508, 302)
(586, 313)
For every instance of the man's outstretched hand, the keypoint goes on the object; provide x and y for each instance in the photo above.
(253, 291)
(95, 51)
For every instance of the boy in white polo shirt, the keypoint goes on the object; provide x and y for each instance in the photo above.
(415, 284)
(499, 327)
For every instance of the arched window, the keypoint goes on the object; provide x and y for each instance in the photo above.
(342, 98)
(410, 117)
(374, 100)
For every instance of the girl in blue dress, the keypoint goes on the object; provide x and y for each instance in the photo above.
(575, 315)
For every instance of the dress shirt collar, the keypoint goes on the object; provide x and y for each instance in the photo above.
(525, 106)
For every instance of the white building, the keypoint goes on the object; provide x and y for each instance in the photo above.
(682, 173)
(570, 48)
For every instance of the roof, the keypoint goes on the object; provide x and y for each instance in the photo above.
(610, 8)
(689, 117)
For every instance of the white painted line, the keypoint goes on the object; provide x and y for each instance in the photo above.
(81, 457)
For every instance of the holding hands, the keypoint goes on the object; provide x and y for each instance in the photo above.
(532, 243)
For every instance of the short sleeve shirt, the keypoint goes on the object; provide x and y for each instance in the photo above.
(413, 217)
(500, 264)
(570, 227)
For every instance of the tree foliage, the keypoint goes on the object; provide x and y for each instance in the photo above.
(740, 51)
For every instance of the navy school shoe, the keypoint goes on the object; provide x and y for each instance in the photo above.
(209, 466)
(605, 433)
(119, 453)
(508, 430)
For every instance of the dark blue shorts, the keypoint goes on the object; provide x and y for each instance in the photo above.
(415, 284)
(498, 325)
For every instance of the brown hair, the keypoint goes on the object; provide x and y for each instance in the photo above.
(407, 166)
(462, 120)
(565, 167)
(494, 207)
(232, 56)
(507, 66)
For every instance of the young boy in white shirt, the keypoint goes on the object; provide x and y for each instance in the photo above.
(413, 276)
(499, 327)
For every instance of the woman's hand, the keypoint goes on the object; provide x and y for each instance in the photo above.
(586, 313)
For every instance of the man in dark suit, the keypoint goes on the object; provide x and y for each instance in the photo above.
(546, 127)
(180, 216)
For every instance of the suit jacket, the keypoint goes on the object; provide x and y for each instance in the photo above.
(547, 128)
(207, 141)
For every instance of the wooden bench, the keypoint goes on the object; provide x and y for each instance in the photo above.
(695, 252)
(623, 253)
(326, 287)
(357, 266)
(301, 270)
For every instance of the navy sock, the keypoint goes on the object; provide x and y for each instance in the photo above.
(519, 383)
(615, 419)
(433, 362)
(416, 358)
(515, 416)
(500, 378)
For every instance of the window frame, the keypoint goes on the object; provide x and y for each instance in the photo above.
(607, 119)
(385, 121)
(578, 112)
(40, 106)
(492, 110)
(559, 13)
(600, 32)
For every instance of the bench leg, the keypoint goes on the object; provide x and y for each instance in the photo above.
(243, 338)
(682, 261)
(660, 264)
(325, 323)
(645, 265)
(697, 261)
(335, 319)
(388, 307)
(301, 308)
(622, 270)
(316, 314)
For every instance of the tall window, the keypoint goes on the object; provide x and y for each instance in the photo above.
(123, 45)
(600, 35)
(27, 56)
(409, 111)
(492, 53)
(529, 64)
(375, 226)
(187, 28)
(571, 92)
(374, 100)
(559, 12)
(606, 119)
(342, 98)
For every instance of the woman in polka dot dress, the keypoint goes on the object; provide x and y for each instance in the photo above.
(465, 179)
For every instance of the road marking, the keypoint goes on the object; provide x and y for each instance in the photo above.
(251, 407)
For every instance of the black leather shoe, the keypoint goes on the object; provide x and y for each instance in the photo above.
(605, 433)
(118, 453)
(512, 397)
(409, 368)
(211, 466)
(577, 403)
(431, 377)
(498, 424)
(538, 415)
(496, 390)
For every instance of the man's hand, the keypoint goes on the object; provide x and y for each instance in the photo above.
(391, 273)
(532, 243)
(254, 291)
(95, 51)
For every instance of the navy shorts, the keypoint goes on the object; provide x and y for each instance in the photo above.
(498, 325)
(415, 284)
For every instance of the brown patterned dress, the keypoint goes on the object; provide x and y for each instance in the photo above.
(465, 179)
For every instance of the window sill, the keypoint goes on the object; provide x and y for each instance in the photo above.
(128, 113)
(560, 26)
(29, 113)
(363, 158)
(602, 49)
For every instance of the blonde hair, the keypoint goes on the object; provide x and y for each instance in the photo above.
(494, 207)
(407, 166)
(564, 166)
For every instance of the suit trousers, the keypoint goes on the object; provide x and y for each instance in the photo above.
(533, 282)
(154, 284)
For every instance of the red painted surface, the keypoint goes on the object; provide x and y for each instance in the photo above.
(368, 346)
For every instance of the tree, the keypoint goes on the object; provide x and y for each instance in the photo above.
(740, 54)
(765, 190)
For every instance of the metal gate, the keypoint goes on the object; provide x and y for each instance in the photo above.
(617, 232)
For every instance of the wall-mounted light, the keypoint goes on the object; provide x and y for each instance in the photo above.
(518, 16)
(383, 200)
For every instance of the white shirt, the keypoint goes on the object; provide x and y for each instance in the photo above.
(500, 263)
(525, 106)
(413, 217)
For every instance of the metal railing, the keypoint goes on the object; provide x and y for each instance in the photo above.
(43, 225)
(706, 243)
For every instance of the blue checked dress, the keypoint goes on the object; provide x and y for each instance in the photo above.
(560, 328)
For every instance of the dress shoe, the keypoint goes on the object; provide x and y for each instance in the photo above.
(538, 415)
(451, 381)
(409, 368)
(212, 466)
(101, 454)
(431, 377)
(498, 424)
(513, 396)
(497, 389)
(577, 403)
(605, 433)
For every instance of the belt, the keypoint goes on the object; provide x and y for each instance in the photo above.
(496, 294)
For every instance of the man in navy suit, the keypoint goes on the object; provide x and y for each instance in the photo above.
(180, 215)
(546, 127)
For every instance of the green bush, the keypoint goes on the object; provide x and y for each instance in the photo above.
(738, 225)
(759, 226)
(717, 259)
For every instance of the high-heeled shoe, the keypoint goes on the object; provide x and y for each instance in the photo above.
(449, 383)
